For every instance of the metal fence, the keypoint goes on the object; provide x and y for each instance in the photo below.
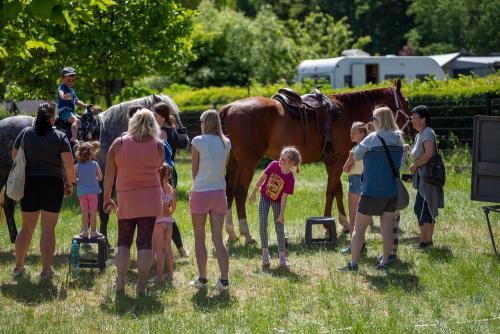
(457, 116)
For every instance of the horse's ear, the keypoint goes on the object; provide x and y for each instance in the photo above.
(398, 85)
(156, 98)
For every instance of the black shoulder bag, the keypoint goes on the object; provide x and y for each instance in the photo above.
(435, 173)
(402, 194)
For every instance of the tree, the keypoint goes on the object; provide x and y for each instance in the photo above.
(109, 44)
(447, 26)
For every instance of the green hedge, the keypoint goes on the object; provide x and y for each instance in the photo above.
(195, 100)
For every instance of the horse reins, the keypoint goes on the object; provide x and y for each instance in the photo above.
(399, 110)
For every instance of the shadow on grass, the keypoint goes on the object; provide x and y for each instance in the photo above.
(126, 306)
(84, 280)
(284, 272)
(240, 250)
(410, 240)
(405, 281)
(202, 301)
(399, 275)
(29, 292)
(32, 260)
(440, 254)
(302, 249)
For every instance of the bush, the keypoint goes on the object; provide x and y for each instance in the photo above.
(430, 89)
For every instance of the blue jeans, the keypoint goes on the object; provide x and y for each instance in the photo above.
(355, 184)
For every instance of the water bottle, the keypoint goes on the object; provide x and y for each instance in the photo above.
(75, 256)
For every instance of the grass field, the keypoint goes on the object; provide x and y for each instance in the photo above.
(454, 287)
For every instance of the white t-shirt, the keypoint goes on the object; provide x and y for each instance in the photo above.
(213, 156)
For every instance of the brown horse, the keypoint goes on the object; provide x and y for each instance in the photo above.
(259, 126)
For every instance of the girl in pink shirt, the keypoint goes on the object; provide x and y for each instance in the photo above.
(275, 185)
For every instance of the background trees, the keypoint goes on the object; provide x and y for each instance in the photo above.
(109, 43)
(113, 43)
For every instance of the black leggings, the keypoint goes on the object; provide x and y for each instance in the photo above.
(176, 236)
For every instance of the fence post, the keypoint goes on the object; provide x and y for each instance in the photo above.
(487, 104)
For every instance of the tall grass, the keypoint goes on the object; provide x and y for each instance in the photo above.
(453, 287)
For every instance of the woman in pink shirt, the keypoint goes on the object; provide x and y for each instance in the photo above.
(134, 159)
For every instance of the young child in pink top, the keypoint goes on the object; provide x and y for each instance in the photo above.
(275, 185)
(162, 233)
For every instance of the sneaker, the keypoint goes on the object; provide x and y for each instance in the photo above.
(17, 271)
(47, 274)
(424, 245)
(183, 252)
(95, 234)
(250, 241)
(199, 284)
(348, 249)
(348, 267)
(382, 266)
(392, 258)
(284, 263)
(222, 286)
(266, 261)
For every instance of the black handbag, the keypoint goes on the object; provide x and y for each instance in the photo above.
(435, 173)
(402, 194)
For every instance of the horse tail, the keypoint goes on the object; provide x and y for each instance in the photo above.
(223, 114)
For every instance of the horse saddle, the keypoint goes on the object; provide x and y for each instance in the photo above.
(313, 105)
(88, 123)
(310, 104)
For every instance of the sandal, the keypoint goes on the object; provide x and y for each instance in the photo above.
(84, 234)
(47, 274)
(95, 234)
(17, 271)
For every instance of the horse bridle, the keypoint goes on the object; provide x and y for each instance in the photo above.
(400, 110)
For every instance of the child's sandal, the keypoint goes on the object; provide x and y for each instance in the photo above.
(84, 234)
(95, 234)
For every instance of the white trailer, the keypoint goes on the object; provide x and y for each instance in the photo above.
(353, 71)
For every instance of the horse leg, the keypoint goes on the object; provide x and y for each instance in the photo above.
(231, 180)
(103, 218)
(334, 190)
(244, 179)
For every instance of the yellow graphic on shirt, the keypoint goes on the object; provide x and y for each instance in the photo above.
(274, 186)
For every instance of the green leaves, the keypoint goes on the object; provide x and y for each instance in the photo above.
(108, 42)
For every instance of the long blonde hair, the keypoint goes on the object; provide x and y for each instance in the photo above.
(212, 125)
(385, 119)
(143, 123)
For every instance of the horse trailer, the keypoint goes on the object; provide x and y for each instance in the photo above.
(350, 71)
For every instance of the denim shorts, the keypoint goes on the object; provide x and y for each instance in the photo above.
(355, 184)
(64, 114)
(422, 211)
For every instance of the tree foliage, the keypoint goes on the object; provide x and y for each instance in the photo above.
(450, 25)
(233, 48)
(108, 42)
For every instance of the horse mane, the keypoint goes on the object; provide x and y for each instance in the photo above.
(369, 95)
(114, 121)
(360, 102)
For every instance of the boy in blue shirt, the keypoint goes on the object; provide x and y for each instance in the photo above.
(66, 100)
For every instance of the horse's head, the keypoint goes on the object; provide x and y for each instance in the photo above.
(401, 109)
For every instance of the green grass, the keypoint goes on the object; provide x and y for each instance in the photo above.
(451, 288)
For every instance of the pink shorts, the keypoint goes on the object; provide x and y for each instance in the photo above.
(88, 203)
(204, 202)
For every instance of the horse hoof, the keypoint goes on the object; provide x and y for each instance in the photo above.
(250, 241)
(232, 238)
